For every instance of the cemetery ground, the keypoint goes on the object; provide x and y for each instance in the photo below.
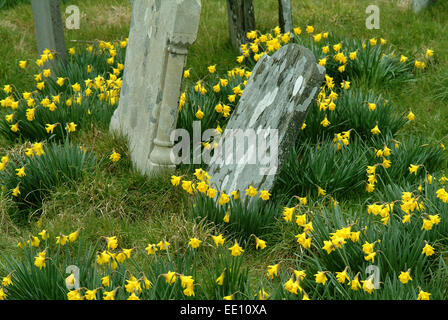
(363, 197)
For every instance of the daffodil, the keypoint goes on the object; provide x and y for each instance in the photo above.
(112, 242)
(212, 69)
(287, 213)
(218, 240)
(71, 127)
(74, 235)
(21, 172)
(223, 199)
(199, 114)
(133, 285)
(272, 271)
(133, 296)
(422, 295)
(428, 250)
(375, 130)
(405, 277)
(220, 279)
(74, 295)
(170, 277)
(343, 276)
(251, 191)
(236, 250)
(260, 243)
(109, 295)
(115, 156)
(413, 169)
(321, 277)
(16, 191)
(151, 249)
(194, 243)
(264, 194)
(226, 218)
(368, 285)
(321, 192)
(34, 241)
(175, 180)
(372, 106)
(355, 283)
(163, 245)
(427, 224)
(7, 281)
(62, 240)
(106, 281)
(325, 123)
(40, 259)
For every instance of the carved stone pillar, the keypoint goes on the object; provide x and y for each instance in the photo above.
(183, 35)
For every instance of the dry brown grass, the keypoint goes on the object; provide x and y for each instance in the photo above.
(114, 15)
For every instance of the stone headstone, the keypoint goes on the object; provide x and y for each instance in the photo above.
(160, 34)
(275, 101)
(49, 28)
(241, 17)
(419, 5)
(285, 15)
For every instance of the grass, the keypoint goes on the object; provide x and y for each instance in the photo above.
(115, 200)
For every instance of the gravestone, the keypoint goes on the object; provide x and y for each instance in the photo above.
(419, 5)
(160, 35)
(275, 102)
(285, 15)
(49, 29)
(241, 17)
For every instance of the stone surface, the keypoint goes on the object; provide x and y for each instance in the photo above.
(277, 96)
(419, 5)
(160, 34)
(241, 19)
(285, 15)
(49, 29)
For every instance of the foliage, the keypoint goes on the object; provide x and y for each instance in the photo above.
(246, 217)
(309, 166)
(352, 113)
(44, 169)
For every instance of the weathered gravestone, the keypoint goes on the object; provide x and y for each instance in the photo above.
(241, 17)
(419, 5)
(49, 28)
(161, 32)
(275, 102)
(285, 15)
